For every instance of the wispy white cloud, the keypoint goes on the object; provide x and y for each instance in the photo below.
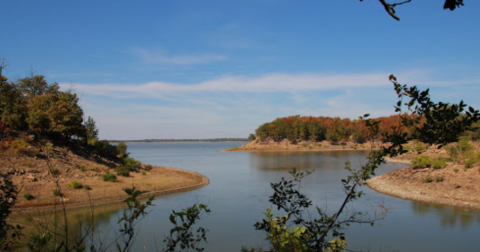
(237, 105)
(158, 57)
(270, 83)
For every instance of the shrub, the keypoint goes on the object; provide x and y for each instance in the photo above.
(110, 177)
(469, 163)
(74, 184)
(87, 187)
(122, 171)
(27, 196)
(56, 192)
(452, 152)
(103, 148)
(456, 170)
(81, 167)
(148, 167)
(439, 163)
(439, 179)
(122, 150)
(419, 146)
(428, 180)
(421, 161)
(465, 146)
(144, 173)
(131, 163)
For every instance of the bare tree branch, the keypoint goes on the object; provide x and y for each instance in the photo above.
(390, 7)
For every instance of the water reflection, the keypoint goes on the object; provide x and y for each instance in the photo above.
(449, 217)
(302, 160)
(80, 222)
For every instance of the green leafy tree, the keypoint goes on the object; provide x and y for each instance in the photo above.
(12, 107)
(122, 150)
(91, 131)
(37, 85)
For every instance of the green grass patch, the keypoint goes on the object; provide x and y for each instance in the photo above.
(109, 177)
(56, 193)
(428, 180)
(75, 184)
(439, 163)
(421, 161)
(27, 196)
(122, 171)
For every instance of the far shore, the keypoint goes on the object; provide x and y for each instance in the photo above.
(285, 145)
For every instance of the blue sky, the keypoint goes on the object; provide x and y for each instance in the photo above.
(210, 69)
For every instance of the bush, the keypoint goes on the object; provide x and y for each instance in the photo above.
(131, 163)
(110, 177)
(439, 179)
(56, 192)
(419, 146)
(470, 162)
(144, 173)
(74, 184)
(87, 187)
(452, 152)
(20, 146)
(27, 196)
(439, 163)
(103, 148)
(421, 161)
(428, 180)
(122, 150)
(81, 167)
(148, 167)
(122, 171)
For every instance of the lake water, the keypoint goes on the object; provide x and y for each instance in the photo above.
(240, 188)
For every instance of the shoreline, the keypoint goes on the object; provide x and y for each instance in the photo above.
(116, 194)
(383, 184)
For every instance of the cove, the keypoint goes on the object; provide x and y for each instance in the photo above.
(240, 188)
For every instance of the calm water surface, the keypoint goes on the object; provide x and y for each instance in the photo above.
(240, 188)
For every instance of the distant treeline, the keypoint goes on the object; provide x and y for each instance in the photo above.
(186, 140)
(295, 128)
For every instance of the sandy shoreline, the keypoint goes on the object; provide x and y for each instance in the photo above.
(159, 181)
(453, 196)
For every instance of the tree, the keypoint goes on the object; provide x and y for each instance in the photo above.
(122, 150)
(37, 85)
(3, 64)
(390, 7)
(251, 137)
(91, 131)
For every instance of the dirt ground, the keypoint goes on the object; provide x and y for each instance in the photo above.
(455, 185)
(31, 175)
